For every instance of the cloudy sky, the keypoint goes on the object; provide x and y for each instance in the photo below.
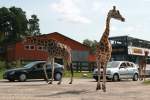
(85, 19)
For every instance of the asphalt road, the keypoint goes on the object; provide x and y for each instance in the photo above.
(81, 89)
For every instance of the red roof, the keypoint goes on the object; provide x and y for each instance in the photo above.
(68, 41)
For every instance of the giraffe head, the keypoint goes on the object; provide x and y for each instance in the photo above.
(116, 14)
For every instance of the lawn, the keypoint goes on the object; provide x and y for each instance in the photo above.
(147, 82)
(1, 73)
(79, 74)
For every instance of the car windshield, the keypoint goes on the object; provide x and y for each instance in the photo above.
(30, 65)
(112, 64)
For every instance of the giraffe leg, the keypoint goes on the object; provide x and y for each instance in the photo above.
(98, 82)
(62, 73)
(46, 77)
(45, 72)
(62, 76)
(52, 74)
(104, 78)
(144, 72)
(60, 81)
(141, 73)
(71, 70)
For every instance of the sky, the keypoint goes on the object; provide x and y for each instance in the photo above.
(85, 19)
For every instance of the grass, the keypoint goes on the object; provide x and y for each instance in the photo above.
(79, 74)
(146, 82)
(1, 73)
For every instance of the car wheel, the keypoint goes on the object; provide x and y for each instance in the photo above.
(96, 79)
(116, 77)
(57, 76)
(135, 77)
(11, 80)
(22, 77)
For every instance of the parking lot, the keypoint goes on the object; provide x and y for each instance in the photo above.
(81, 89)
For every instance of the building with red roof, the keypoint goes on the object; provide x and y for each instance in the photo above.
(31, 52)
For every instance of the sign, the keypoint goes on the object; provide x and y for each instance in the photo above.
(137, 51)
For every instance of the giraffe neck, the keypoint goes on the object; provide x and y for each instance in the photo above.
(106, 32)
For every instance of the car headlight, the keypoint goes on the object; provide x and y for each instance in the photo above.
(11, 73)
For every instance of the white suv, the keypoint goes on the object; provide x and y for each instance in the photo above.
(117, 70)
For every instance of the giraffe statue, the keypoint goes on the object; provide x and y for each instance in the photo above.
(55, 49)
(142, 66)
(104, 48)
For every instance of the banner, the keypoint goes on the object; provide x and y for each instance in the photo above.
(137, 51)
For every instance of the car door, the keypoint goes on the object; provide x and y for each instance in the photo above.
(123, 70)
(130, 69)
(48, 70)
(37, 72)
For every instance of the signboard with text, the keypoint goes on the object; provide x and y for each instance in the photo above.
(137, 51)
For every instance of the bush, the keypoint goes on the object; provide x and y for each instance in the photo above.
(8, 65)
(2, 65)
(1, 73)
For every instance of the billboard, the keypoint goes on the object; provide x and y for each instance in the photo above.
(137, 51)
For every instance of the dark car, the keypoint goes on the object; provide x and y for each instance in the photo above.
(33, 70)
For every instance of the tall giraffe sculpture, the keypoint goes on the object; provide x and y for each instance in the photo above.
(55, 49)
(104, 48)
(142, 65)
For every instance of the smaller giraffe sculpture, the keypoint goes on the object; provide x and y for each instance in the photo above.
(142, 66)
(55, 49)
(104, 48)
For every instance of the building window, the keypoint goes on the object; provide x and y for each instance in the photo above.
(29, 47)
(45, 48)
(26, 47)
(32, 47)
(40, 48)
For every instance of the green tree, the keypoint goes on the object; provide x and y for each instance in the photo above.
(5, 23)
(34, 26)
(14, 27)
(88, 42)
(13, 24)
(91, 44)
(19, 23)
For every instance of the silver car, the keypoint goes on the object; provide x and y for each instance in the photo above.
(117, 70)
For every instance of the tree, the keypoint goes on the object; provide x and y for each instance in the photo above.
(14, 27)
(19, 23)
(91, 44)
(5, 23)
(34, 26)
(88, 42)
(13, 24)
